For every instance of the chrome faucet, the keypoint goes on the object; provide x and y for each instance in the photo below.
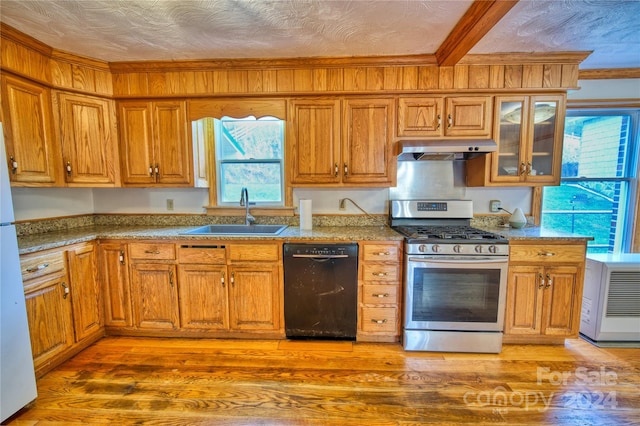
(244, 202)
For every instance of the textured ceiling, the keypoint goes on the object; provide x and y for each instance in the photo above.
(126, 30)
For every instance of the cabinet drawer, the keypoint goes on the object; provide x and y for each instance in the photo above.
(381, 272)
(380, 253)
(152, 251)
(377, 294)
(38, 265)
(255, 252)
(547, 253)
(379, 319)
(213, 255)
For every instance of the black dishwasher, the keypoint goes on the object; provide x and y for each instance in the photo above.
(320, 291)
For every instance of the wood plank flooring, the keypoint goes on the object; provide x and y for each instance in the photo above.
(158, 381)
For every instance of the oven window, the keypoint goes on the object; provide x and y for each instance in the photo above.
(469, 295)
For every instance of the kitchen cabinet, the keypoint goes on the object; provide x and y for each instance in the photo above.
(87, 129)
(544, 292)
(63, 303)
(155, 147)
(529, 133)
(33, 152)
(46, 288)
(114, 277)
(153, 286)
(256, 287)
(445, 116)
(85, 292)
(341, 142)
(379, 289)
(203, 287)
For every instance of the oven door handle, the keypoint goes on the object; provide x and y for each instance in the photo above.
(459, 260)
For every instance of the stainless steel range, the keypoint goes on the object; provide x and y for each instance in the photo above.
(455, 278)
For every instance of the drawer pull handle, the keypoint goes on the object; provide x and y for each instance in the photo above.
(546, 253)
(380, 295)
(222, 279)
(121, 257)
(549, 282)
(65, 292)
(152, 252)
(382, 321)
(171, 278)
(382, 253)
(38, 267)
(541, 278)
(379, 274)
(233, 279)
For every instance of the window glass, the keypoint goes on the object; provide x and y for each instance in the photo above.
(249, 153)
(598, 176)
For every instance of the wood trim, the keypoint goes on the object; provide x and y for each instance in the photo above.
(609, 73)
(19, 37)
(536, 205)
(518, 58)
(477, 21)
(603, 103)
(256, 211)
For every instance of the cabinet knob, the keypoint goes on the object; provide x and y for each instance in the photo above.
(346, 169)
(68, 168)
(449, 121)
(549, 282)
(151, 170)
(540, 280)
(171, 278)
(222, 279)
(157, 169)
(121, 257)
(14, 164)
(336, 169)
(523, 168)
(438, 122)
(66, 290)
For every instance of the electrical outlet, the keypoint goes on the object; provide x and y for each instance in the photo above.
(169, 204)
(494, 206)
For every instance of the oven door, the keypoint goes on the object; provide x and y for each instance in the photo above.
(455, 293)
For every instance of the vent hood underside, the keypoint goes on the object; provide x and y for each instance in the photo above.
(444, 149)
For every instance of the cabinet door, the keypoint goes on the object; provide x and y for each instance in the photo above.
(468, 116)
(544, 144)
(509, 162)
(420, 116)
(524, 300)
(203, 297)
(561, 313)
(136, 143)
(254, 297)
(50, 318)
(115, 283)
(155, 296)
(314, 141)
(367, 142)
(89, 145)
(172, 147)
(33, 153)
(85, 295)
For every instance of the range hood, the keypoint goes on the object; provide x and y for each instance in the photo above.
(444, 149)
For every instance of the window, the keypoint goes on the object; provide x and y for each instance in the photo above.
(249, 153)
(599, 179)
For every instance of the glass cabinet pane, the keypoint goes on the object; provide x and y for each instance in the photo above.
(544, 127)
(509, 139)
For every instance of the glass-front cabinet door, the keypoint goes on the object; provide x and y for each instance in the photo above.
(529, 136)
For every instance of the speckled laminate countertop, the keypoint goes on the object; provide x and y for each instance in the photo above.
(55, 239)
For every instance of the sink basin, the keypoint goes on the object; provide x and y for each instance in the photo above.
(229, 229)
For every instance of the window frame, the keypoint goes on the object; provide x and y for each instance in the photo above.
(631, 236)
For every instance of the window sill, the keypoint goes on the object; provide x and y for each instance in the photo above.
(256, 211)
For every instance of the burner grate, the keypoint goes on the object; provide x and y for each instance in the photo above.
(447, 233)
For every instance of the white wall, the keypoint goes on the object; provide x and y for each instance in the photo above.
(34, 203)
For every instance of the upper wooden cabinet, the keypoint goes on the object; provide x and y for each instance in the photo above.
(87, 129)
(337, 142)
(451, 116)
(33, 153)
(154, 143)
(529, 132)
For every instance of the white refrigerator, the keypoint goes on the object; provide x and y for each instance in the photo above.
(17, 376)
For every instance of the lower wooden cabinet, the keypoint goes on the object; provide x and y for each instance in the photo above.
(379, 290)
(254, 297)
(155, 296)
(544, 292)
(113, 266)
(203, 296)
(63, 303)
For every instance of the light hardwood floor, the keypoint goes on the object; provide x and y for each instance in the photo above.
(123, 380)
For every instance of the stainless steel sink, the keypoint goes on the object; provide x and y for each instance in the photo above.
(230, 229)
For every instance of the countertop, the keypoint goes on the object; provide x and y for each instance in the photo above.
(55, 239)
(49, 240)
